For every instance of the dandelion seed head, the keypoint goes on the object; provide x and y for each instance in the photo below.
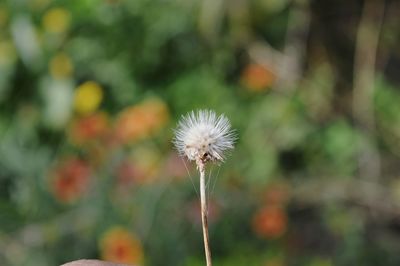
(203, 136)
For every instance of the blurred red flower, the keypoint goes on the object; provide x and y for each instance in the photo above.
(256, 77)
(70, 179)
(120, 246)
(270, 222)
(87, 128)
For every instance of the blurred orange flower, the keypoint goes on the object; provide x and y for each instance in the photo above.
(256, 77)
(56, 20)
(87, 128)
(70, 179)
(88, 97)
(270, 222)
(120, 246)
(141, 120)
(61, 66)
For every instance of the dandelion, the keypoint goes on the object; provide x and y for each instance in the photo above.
(203, 137)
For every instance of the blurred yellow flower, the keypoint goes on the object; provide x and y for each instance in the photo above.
(88, 97)
(7, 53)
(61, 66)
(3, 16)
(39, 4)
(120, 246)
(56, 20)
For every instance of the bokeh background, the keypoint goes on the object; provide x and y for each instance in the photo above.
(90, 91)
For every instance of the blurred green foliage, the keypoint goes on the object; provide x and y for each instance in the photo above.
(90, 91)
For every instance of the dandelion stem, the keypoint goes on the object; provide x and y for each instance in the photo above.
(203, 137)
(204, 211)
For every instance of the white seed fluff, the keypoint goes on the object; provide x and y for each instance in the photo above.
(204, 136)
